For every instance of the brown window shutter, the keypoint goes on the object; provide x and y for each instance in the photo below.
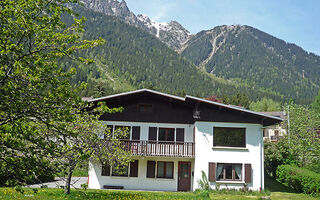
(136, 132)
(151, 169)
(212, 171)
(247, 168)
(180, 135)
(105, 171)
(134, 168)
(152, 133)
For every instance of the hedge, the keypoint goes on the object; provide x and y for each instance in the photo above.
(300, 179)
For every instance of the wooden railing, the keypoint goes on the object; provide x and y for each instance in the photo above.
(159, 148)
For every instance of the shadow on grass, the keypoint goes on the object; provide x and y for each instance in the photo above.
(274, 186)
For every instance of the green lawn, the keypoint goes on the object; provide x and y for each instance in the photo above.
(275, 191)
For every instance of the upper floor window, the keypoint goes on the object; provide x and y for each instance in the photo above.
(166, 134)
(229, 137)
(145, 108)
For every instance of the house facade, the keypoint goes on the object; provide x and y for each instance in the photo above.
(274, 132)
(173, 139)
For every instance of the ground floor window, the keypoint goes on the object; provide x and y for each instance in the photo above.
(164, 169)
(229, 172)
(121, 170)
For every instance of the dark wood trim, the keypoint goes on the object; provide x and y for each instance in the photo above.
(247, 173)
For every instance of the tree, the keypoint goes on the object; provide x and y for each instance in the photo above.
(265, 105)
(316, 103)
(40, 112)
(239, 99)
(301, 145)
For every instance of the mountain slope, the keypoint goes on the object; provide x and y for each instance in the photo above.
(256, 58)
(172, 34)
(141, 60)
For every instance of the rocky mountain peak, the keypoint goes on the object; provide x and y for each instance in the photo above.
(172, 34)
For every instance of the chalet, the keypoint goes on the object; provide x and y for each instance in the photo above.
(173, 139)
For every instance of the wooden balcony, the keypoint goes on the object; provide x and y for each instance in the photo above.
(159, 148)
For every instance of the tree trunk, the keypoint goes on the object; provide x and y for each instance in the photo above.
(68, 181)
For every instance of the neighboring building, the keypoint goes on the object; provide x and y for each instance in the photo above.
(174, 138)
(274, 132)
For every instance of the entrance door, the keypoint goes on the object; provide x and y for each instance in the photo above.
(184, 176)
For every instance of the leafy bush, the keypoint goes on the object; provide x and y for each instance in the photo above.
(300, 179)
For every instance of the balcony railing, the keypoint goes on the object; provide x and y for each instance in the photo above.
(159, 148)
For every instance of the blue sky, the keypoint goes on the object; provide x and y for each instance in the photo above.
(295, 21)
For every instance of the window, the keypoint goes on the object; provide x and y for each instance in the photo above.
(136, 133)
(229, 137)
(166, 134)
(146, 108)
(164, 169)
(151, 169)
(123, 170)
(229, 172)
(180, 135)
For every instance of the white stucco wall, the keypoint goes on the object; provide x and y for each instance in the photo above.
(251, 155)
(96, 181)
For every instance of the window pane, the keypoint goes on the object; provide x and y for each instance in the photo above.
(169, 170)
(161, 169)
(232, 137)
(228, 169)
(162, 134)
(220, 171)
(238, 171)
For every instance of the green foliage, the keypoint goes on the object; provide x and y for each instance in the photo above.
(304, 140)
(299, 179)
(18, 170)
(265, 105)
(43, 123)
(204, 182)
(316, 103)
(239, 99)
(258, 59)
(300, 146)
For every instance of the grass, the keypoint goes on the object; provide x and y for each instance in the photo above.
(274, 190)
(29, 194)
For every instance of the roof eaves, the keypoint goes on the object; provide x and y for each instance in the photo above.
(134, 92)
(232, 107)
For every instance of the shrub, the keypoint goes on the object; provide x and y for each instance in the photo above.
(300, 179)
(204, 183)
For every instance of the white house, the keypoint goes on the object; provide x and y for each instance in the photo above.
(174, 138)
(275, 132)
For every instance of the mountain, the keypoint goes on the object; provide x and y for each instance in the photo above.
(131, 58)
(248, 55)
(172, 34)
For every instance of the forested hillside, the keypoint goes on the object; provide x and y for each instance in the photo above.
(132, 58)
(256, 58)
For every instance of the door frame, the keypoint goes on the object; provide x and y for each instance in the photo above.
(179, 168)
